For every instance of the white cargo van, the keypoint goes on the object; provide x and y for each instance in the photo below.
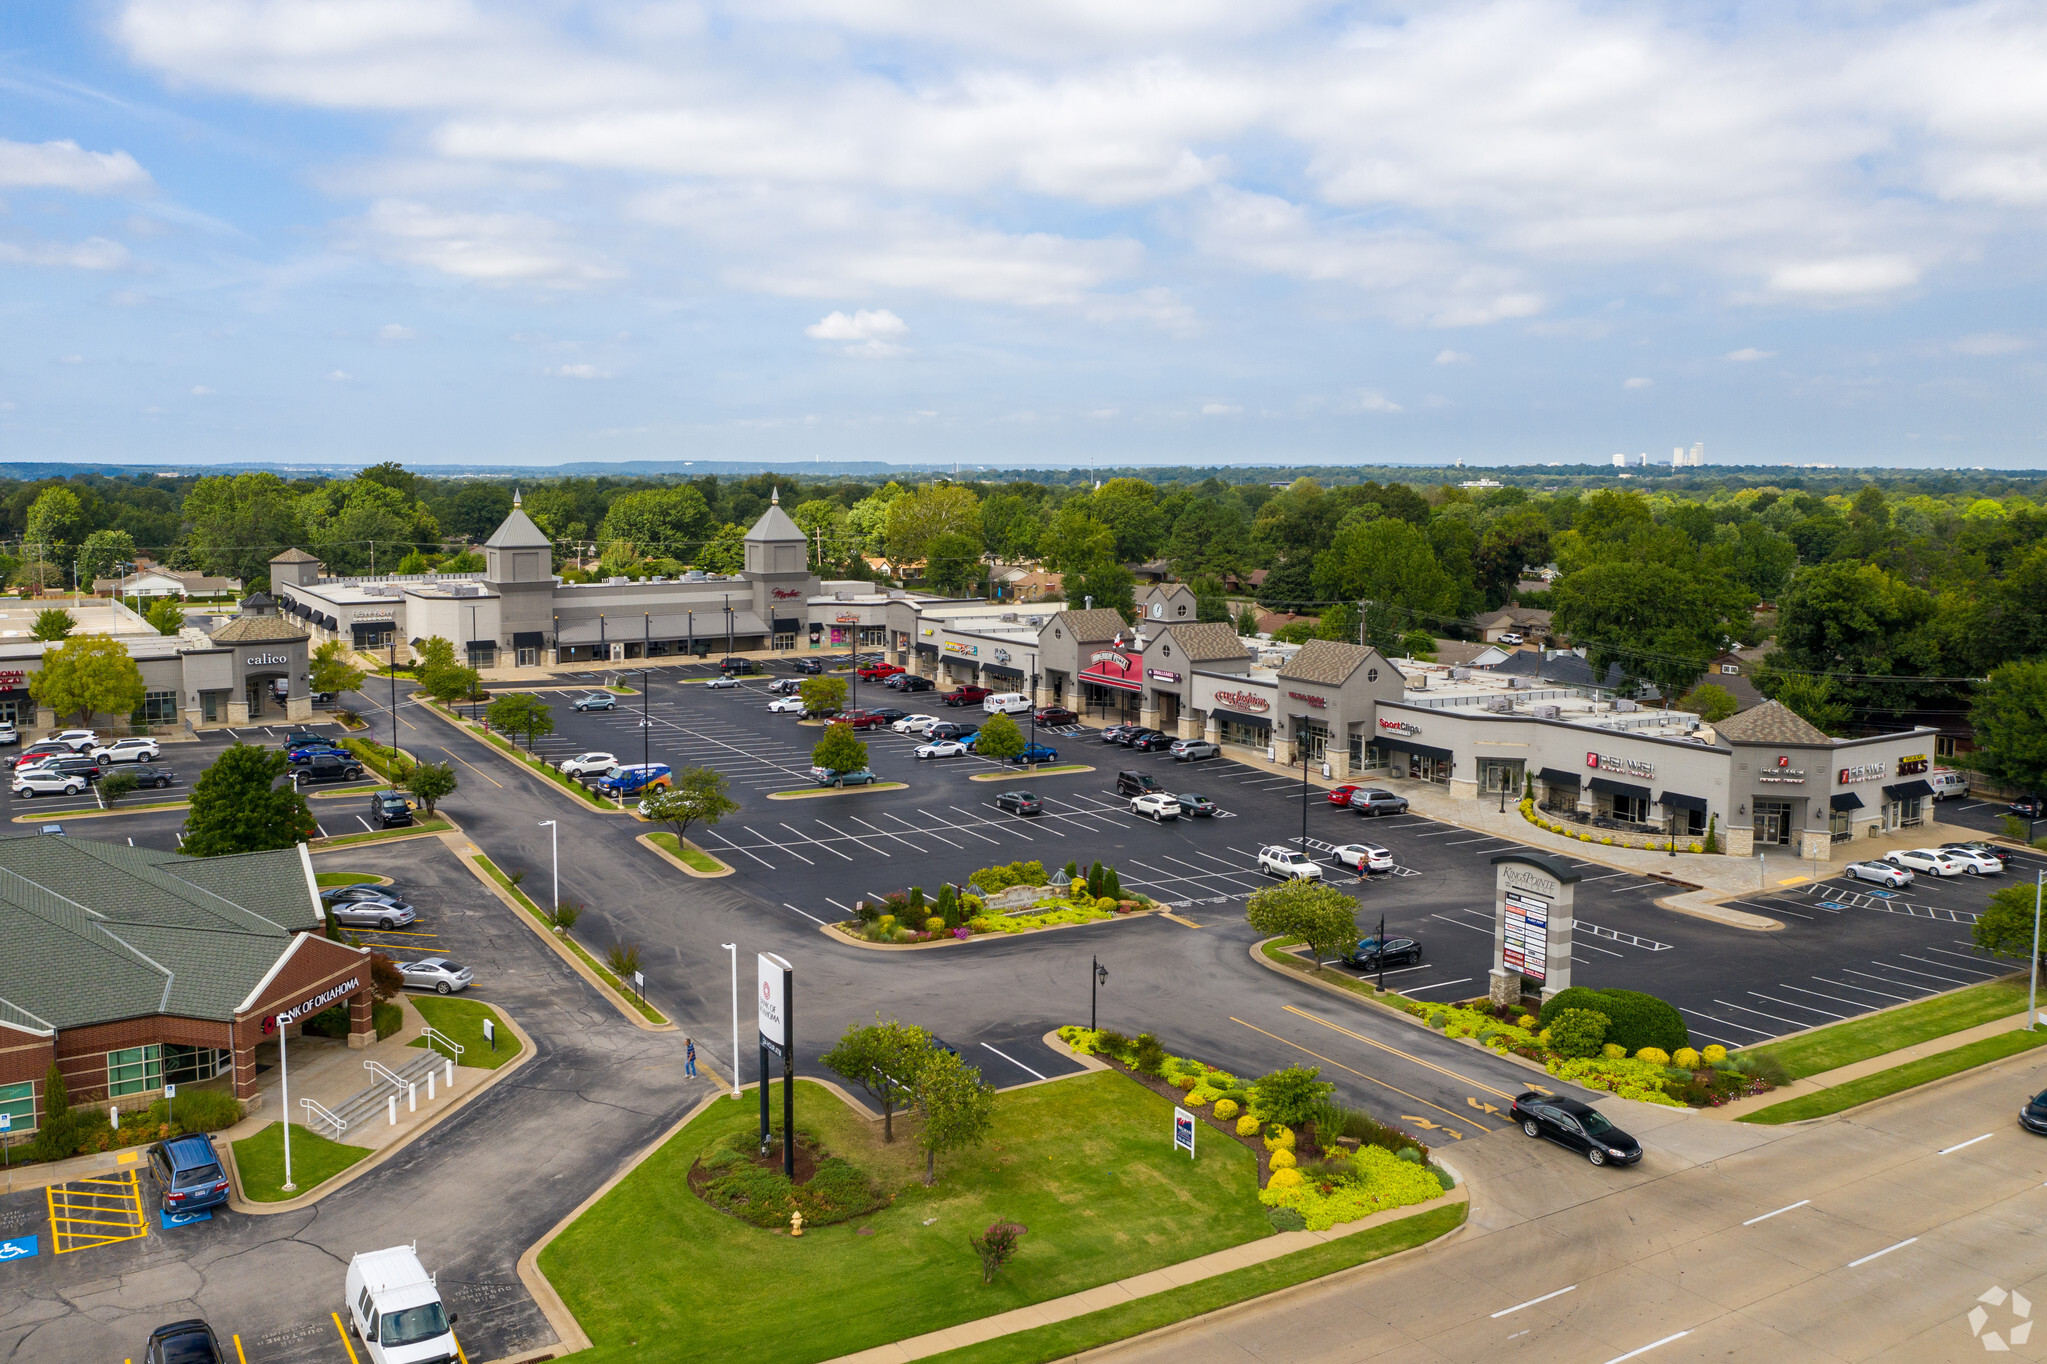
(1007, 703)
(394, 1308)
(1946, 783)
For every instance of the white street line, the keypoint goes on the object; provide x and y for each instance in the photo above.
(365, 823)
(1885, 1251)
(316, 824)
(1011, 1059)
(1768, 1215)
(808, 839)
(1794, 1004)
(1531, 1302)
(812, 917)
(1647, 1348)
(1461, 980)
(1961, 1145)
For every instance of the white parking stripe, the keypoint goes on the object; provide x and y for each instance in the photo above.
(1413, 990)
(857, 839)
(1794, 1004)
(1012, 1060)
(812, 917)
(1848, 985)
(1725, 1023)
(1743, 1008)
(736, 848)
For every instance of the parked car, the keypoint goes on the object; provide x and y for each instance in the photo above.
(154, 774)
(1194, 803)
(828, 713)
(389, 810)
(1192, 750)
(394, 1309)
(188, 1173)
(385, 914)
(1933, 861)
(1056, 715)
(862, 719)
(2027, 807)
(37, 781)
(1883, 873)
(77, 740)
(587, 764)
(42, 748)
(740, 667)
(722, 682)
(1998, 851)
(190, 1341)
(1158, 808)
(942, 748)
(1116, 733)
(1019, 803)
(785, 686)
(1974, 862)
(9, 734)
(69, 764)
(1509, 637)
(596, 700)
(330, 769)
(1370, 800)
(295, 737)
(1006, 703)
(825, 776)
(810, 666)
(913, 724)
(1947, 783)
(1362, 857)
(338, 895)
(632, 778)
(786, 705)
(1579, 1126)
(875, 672)
(1277, 860)
(128, 751)
(438, 974)
(887, 715)
(1370, 954)
(1340, 795)
(2033, 1114)
(299, 757)
(944, 729)
(1151, 741)
(1136, 784)
(1037, 753)
(912, 682)
(967, 735)
(964, 696)
(895, 683)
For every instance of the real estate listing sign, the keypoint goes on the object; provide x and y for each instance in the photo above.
(1183, 1132)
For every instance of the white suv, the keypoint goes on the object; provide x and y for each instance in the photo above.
(786, 705)
(587, 764)
(129, 751)
(41, 781)
(1158, 806)
(77, 740)
(1290, 863)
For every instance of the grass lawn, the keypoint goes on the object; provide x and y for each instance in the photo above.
(1276, 952)
(1911, 1074)
(1846, 1043)
(1096, 1329)
(697, 858)
(314, 1161)
(428, 826)
(1085, 1164)
(345, 878)
(462, 1020)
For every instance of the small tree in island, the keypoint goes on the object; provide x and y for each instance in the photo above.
(958, 1108)
(839, 751)
(1322, 916)
(333, 671)
(823, 695)
(431, 782)
(884, 1058)
(521, 713)
(698, 796)
(237, 805)
(999, 739)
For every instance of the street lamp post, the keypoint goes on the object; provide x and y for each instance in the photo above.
(733, 948)
(1098, 976)
(1301, 743)
(1034, 709)
(554, 847)
(284, 1082)
(2033, 987)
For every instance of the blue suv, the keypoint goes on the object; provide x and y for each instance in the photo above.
(188, 1173)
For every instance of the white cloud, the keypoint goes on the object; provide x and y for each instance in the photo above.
(861, 326)
(1748, 354)
(1453, 357)
(72, 360)
(339, 376)
(1846, 276)
(490, 248)
(201, 391)
(1220, 410)
(94, 253)
(580, 372)
(1991, 343)
(1638, 382)
(393, 331)
(1371, 400)
(66, 165)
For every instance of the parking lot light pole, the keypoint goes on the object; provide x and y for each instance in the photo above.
(284, 1081)
(1098, 976)
(1301, 743)
(554, 846)
(733, 948)
(1034, 709)
(2033, 988)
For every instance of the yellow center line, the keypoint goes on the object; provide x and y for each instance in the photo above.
(238, 1351)
(474, 768)
(1405, 1056)
(1461, 1117)
(344, 1338)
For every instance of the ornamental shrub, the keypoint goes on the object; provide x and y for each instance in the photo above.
(1528, 1021)
(1147, 1055)
(935, 924)
(1655, 1056)
(1225, 1109)
(1684, 1058)
(1578, 1032)
(1247, 1126)
(1634, 1020)
(886, 923)
(1286, 1219)
(1112, 885)
(1185, 1083)
(972, 904)
(1197, 1099)
(1284, 1179)
(1613, 1051)
(1283, 1159)
(1714, 1054)
(917, 902)
(1280, 1138)
(1107, 904)
(1438, 1018)
(1694, 848)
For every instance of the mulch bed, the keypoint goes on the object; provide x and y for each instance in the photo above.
(807, 1157)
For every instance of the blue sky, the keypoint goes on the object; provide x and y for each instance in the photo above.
(1133, 230)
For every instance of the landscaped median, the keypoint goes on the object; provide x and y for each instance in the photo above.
(425, 826)
(1081, 1171)
(687, 856)
(259, 1161)
(816, 792)
(997, 901)
(1026, 773)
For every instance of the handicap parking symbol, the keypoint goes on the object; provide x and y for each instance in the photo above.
(18, 1248)
(1832, 904)
(180, 1219)
(1883, 894)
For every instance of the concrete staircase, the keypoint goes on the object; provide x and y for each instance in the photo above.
(369, 1105)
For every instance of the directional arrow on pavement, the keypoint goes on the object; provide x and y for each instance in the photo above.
(1482, 1107)
(1433, 1126)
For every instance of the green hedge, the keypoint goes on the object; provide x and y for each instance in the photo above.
(1634, 1020)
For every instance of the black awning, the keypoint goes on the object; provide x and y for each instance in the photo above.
(329, 623)
(1002, 670)
(529, 639)
(1555, 776)
(1418, 750)
(1619, 788)
(1909, 790)
(787, 625)
(1673, 800)
(1239, 717)
(1847, 800)
(931, 649)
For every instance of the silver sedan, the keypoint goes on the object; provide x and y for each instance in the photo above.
(1883, 873)
(437, 974)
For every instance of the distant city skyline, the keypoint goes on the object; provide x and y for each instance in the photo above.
(1022, 234)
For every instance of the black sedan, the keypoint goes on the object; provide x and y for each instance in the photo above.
(912, 682)
(182, 1342)
(1576, 1125)
(1194, 803)
(2033, 1115)
(153, 774)
(888, 715)
(1019, 803)
(1151, 741)
(1370, 954)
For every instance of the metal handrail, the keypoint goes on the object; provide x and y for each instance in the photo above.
(383, 1074)
(433, 1034)
(317, 1110)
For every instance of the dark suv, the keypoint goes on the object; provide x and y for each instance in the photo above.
(188, 1173)
(1136, 784)
(183, 1342)
(75, 766)
(331, 769)
(740, 667)
(1371, 800)
(389, 809)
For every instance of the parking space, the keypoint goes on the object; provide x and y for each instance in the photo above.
(97, 1211)
(182, 759)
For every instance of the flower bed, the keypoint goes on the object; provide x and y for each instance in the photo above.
(1015, 899)
(1616, 838)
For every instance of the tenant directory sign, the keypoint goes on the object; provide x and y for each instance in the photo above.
(1527, 942)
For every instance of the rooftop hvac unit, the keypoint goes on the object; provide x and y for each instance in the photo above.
(1421, 682)
(619, 579)
(1546, 712)
(1459, 674)
(1518, 683)
(842, 596)
(1625, 706)
(1009, 617)
(1500, 705)
(695, 575)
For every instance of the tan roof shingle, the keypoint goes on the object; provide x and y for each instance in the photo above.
(1328, 662)
(1770, 723)
(1089, 626)
(1207, 641)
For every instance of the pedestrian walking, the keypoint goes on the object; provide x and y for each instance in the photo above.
(690, 1056)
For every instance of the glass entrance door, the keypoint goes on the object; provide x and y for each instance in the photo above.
(1773, 822)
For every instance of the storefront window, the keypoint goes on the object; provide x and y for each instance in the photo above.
(1499, 774)
(1251, 736)
(189, 1065)
(18, 1102)
(785, 641)
(1837, 826)
(159, 708)
(875, 635)
(1631, 809)
(134, 1070)
(1559, 795)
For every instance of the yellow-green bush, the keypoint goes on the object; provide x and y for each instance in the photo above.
(886, 923)
(1631, 1079)
(1614, 1051)
(1185, 1082)
(1279, 1138)
(1283, 1159)
(1655, 1056)
(1247, 1125)
(1714, 1054)
(1685, 1057)
(1527, 1021)
(1225, 1109)
(1384, 1181)
(935, 924)
(1693, 847)
(1107, 902)
(1284, 1179)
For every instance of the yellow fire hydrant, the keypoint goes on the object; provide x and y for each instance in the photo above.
(796, 1223)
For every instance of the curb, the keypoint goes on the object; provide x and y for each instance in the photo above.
(647, 841)
(840, 791)
(835, 932)
(582, 802)
(1020, 774)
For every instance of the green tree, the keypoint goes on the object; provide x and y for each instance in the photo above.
(115, 786)
(238, 805)
(952, 563)
(1108, 584)
(55, 524)
(1389, 562)
(958, 1108)
(839, 751)
(89, 675)
(239, 523)
(2005, 926)
(362, 525)
(105, 554)
(431, 782)
(917, 518)
(1320, 915)
(1657, 619)
(52, 623)
(1129, 507)
(999, 738)
(726, 552)
(167, 614)
(521, 713)
(884, 1058)
(1857, 622)
(1813, 699)
(659, 522)
(333, 669)
(823, 695)
(1710, 701)
(699, 795)
(2010, 718)
(450, 683)
(1291, 1096)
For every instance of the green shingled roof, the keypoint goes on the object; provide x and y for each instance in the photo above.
(91, 932)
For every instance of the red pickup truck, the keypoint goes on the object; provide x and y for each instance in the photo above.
(965, 696)
(874, 672)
